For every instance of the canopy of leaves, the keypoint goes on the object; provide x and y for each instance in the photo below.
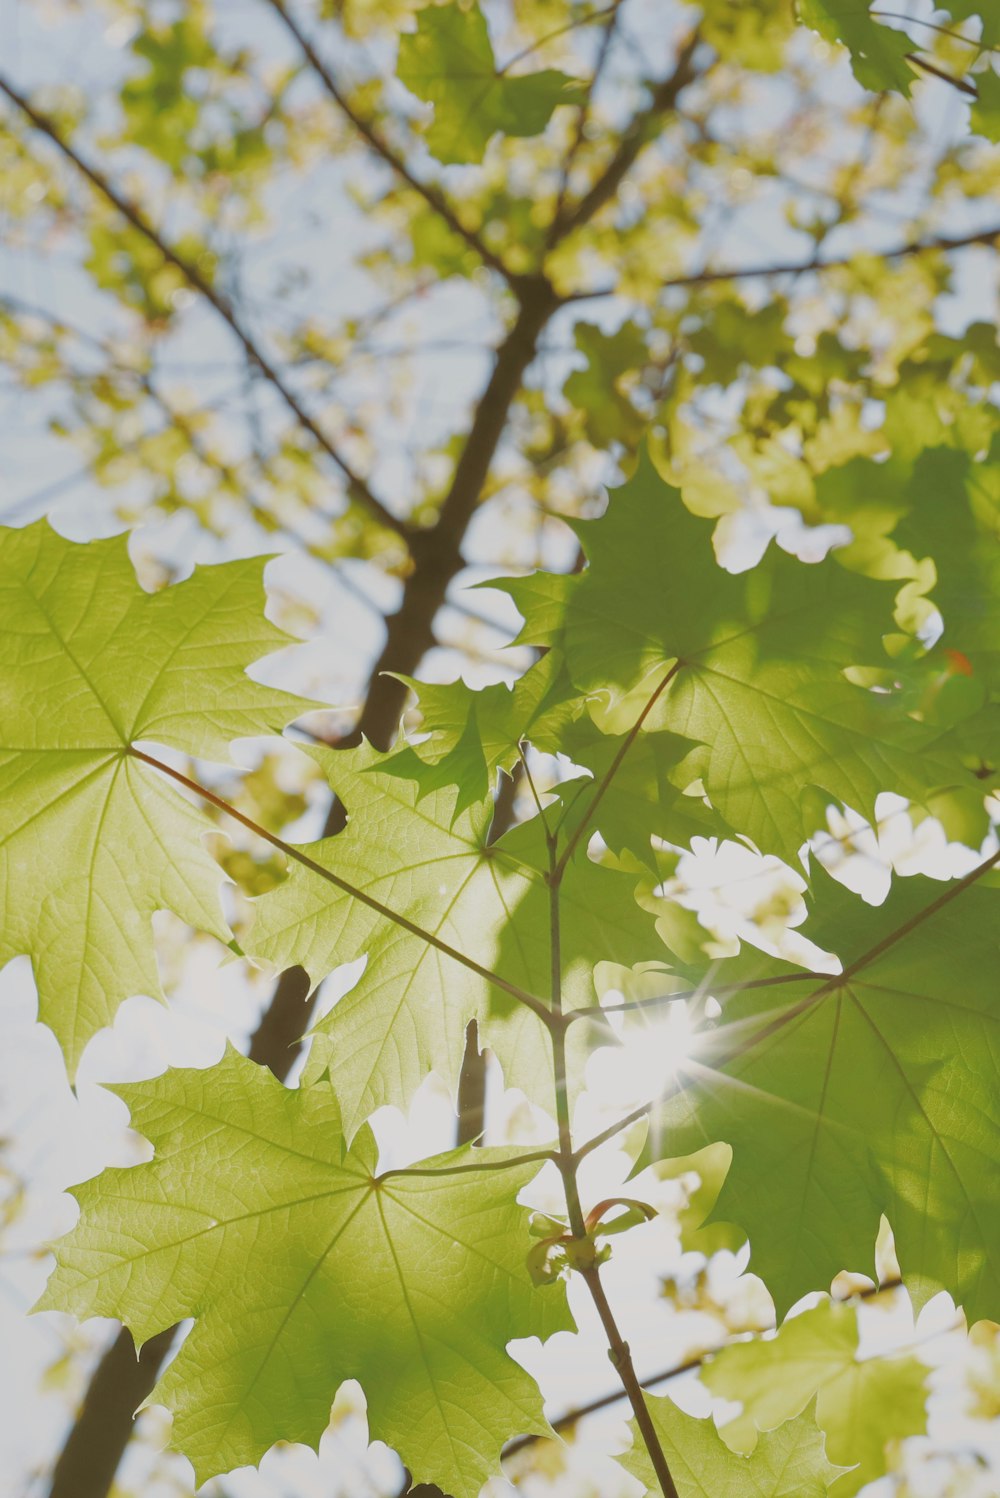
(448, 62)
(302, 1268)
(94, 841)
(862, 1404)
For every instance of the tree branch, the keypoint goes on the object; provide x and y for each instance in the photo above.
(942, 242)
(358, 489)
(437, 559)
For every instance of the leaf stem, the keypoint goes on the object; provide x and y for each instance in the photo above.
(621, 1357)
(291, 851)
(595, 1013)
(567, 1160)
(527, 1158)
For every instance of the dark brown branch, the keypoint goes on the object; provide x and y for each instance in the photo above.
(105, 1424)
(373, 137)
(358, 489)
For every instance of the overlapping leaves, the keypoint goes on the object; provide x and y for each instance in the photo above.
(757, 663)
(862, 1404)
(695, 702)
(432, 865)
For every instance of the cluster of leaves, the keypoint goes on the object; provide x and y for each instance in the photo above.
(670, 700)
(666, 680)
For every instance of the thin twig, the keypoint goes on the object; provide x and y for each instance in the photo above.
(567, 1163)
(583, 115)
(941, 243)
(551, 36)
(597, 1012)
(633, 140)
(969, 89)
(895, 15)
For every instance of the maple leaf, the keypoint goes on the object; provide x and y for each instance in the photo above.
(872, 1091)
(302, 1269)
(758, 662)
(785, 1463)
(878, 53)
(448, 62)
(472, 734)
(94, 841)
(862, 1405)
(433, 873)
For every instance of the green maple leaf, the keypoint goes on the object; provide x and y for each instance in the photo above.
(302, 1269)
(94, 840)
(786, 1463)
(433, 867)
(862, 1405)
(472, 734)
(761, 658)
(878, 53)
(448, 62)
(866, 1093)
